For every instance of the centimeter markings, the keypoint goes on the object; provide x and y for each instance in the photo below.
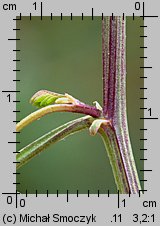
(17, 101)
(144, 96)
(22, 202)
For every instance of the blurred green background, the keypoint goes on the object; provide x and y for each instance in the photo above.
(66, 56)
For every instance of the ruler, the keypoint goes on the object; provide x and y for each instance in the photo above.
(99, 206)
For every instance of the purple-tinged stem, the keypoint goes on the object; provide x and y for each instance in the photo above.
(75, 108)
(109, 34)
(114, 99)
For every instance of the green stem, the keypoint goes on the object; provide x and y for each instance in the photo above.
(33, 149)
(110, 142)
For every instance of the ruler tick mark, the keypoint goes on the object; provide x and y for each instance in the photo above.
(118, 199)
(67, 195)
(149, 118)
(11, 91)
(41, 10)
(13, 39)
(112, 16)
(14, 142)
(16, 80)
(145, 67)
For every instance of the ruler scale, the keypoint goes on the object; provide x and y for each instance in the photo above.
(98, 208)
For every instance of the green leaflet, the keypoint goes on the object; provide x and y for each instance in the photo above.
(44, 98)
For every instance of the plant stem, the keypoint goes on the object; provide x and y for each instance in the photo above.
(111, 145)
(114, 101)
(80, 108)
(33, 149)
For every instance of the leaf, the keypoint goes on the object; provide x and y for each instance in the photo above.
(96, 124)
(36, 147)
(44, 98)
